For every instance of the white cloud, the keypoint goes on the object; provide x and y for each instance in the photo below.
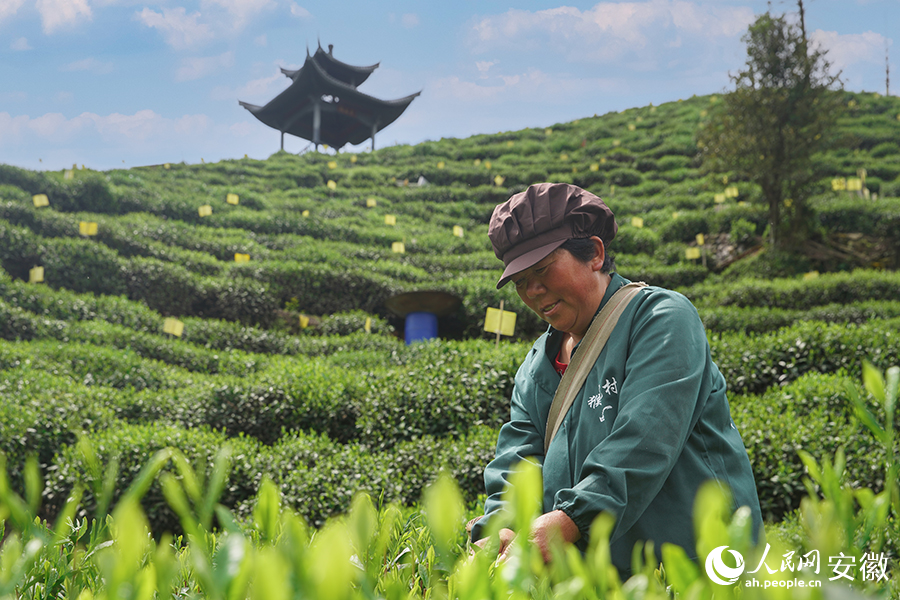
(179, 29)
(89, 64)
(13, 96)
(300, 12)
(409, 20)
(846, 50)
(56, 14)
(257, 90)
(532, 86)
(20, 44)
(610, 29)
(197, 67)
(240, 11)
(484, 66)
(9, 8)
(144, 125)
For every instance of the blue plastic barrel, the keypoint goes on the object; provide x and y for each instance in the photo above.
(420, 326)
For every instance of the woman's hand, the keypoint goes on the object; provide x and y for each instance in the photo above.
(547, 530)
(551, 529)
(506, 539)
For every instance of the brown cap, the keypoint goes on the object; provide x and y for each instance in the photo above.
(534, 223)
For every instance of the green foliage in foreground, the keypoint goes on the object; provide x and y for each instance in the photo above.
(388, 552)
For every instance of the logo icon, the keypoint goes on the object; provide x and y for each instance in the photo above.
(721, 573)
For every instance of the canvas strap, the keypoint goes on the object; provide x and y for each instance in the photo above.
(583, 360)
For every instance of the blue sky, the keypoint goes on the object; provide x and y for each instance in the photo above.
(122, 83)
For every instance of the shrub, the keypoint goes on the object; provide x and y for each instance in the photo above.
(751, 364)
(132, 445)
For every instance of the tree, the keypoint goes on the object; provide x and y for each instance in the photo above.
(778, 117)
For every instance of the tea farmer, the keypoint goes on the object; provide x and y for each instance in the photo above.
(650, 423)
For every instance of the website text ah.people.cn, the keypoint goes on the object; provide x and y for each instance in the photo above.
(870, 567)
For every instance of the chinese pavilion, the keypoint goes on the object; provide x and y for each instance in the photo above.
(323, 105)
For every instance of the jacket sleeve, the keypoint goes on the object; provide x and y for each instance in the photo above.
(665, 376)
(521, 437)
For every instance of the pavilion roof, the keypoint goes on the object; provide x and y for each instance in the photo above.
(349, 74)
(347, 115)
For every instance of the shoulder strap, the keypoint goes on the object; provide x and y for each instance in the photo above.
(583, 361)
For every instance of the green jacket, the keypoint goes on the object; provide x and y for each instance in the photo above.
(650, 425)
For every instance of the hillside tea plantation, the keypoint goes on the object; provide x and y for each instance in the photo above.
(204, 395)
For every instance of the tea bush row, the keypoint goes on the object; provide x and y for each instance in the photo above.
(800, 294)
(317, 477)
(766, 319)
(754, 363)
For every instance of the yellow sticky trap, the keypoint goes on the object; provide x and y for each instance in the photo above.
(692, 253)
(173, 327)
(854, 184)
(631, 127)
(398, 247)
(574, 169)
(476, 162)
(331, 185)
(205, 210)
(305, 213)
(700, 239)
(732, 191)
(304, 321)
(232, 199)
(675, 215)
(810, 275)
(353, 159)
(719, 198)
(167, 166)
(509, 144)
(839, 184)
(563, 156)
(548, 131)
(325, 146)
(616, 142)
(368, 326)
(725, 179)
(68, 174)
(371, 202)
(87, 228)
(498, 180)
(595, 167)
(703, 113)
(487, 165)
(332, 164)
(40, 200)
(603, 161)
(390, 219)
(458, 231)
(503, 321)
(440, 164)
(241, 258)
(36, 275)
(788, 202)
(637, 222)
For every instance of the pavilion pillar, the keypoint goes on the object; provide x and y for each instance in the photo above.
(317, 122)
(374, 131)
(282, 141)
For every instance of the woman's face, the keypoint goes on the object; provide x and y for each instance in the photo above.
(564, 291)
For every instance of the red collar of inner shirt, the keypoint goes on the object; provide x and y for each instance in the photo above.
(558, 366)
